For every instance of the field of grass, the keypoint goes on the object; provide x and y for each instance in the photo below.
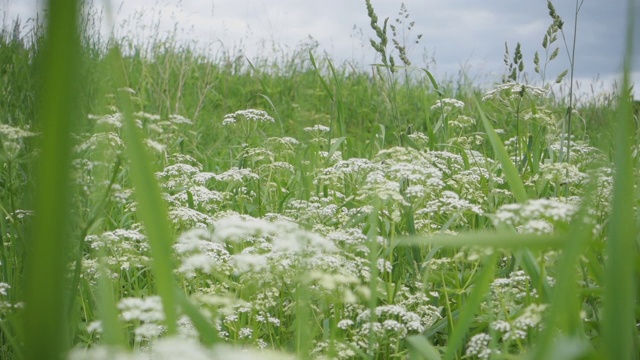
(160, 204)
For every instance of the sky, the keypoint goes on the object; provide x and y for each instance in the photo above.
(458, 36)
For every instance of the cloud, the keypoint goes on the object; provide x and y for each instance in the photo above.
(459, 33)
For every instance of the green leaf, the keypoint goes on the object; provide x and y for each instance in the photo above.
(46, 326)
(618, 325)
(506, 240)
(208, 333)
(421, 349)
(335, 146)
(324, 83)
(151, 209)
(113, 329)
(565, 301)
(510, 171)
(255, 70)
(273, 107)
(469, 307)
(433, 82)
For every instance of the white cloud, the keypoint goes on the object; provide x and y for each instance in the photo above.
(466, 33)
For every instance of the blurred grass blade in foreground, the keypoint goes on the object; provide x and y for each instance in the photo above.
(618, 325)
(151, 207)
(46, 332)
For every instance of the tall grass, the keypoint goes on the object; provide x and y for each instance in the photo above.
(46, 329)
(305, 208)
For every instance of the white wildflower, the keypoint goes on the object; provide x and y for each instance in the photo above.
(146, 116)
(114, 120)
(478, 346)
(13, 133)
(3, 288)
(245, 333)
(317, 128)
(94, 327)
(147, 309)
(148, 331)
(446, 105)
(235, 176)
(345, 324)
(155, 146)
(179, 119)
(184, 216)
(512, 89)
(258, 116)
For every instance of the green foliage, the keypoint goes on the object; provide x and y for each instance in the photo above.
(46, 328)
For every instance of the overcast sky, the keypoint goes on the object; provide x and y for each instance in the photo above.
(457, 34)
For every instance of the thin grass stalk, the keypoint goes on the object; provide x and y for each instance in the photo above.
(509, 170)
(372, 239)
(618, 325)
(151, 208)
(46, 332)
(471, 306)
(421, 349)
(113, 334)
(338, 105)
(572, 58)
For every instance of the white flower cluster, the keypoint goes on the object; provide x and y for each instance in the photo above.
(535, 216)
(146, 314)
(14, 133)
(207, 250)
(446, 105)
(561, 173)
(512, 90)
(317, 128)
(125, 250)
(478, 346)
(518, 328)
(107, 141)
(252, 115)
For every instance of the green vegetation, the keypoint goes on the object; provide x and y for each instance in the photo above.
(159, 203)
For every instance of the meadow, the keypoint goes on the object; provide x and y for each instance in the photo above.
(160, 204)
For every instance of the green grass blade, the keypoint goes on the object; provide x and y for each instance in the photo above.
(324, 84)
(471, 306)
(338, 100)
(510, 171)
(618, 325)
(46, 331)
(506, 240)
(112, 327)
(433, 81)
(151, 209)
(208, 334)
(532, 268)
(565, 300)
(264, 87)
(335, 146)
(421, 349)
(273, 107)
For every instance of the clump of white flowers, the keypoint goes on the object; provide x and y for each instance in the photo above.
(446, 105)
(512, 90)
(535, 216)
(478, 346)
(258, 116)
